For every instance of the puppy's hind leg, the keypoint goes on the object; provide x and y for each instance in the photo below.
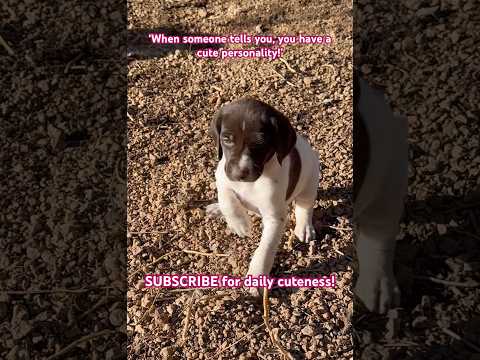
(304, 229)
(304, 203)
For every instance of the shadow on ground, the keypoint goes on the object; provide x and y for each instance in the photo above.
(437, 277)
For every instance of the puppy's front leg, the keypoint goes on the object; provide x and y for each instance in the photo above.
(264, 255)
(376, 285)
(235, 214)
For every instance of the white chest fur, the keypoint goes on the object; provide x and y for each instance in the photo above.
(269, 190)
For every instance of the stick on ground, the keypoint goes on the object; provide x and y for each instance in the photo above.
(188, 314)
(266, 317)
(79, 341)
(449, 283)
(6, 46)
(202, 253)
(459, 338)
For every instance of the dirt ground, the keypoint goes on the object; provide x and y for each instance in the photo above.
(171, 162)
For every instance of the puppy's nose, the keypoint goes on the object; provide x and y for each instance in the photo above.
(243, 173)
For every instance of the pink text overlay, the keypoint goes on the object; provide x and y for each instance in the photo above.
(226, 281)
(267, 46)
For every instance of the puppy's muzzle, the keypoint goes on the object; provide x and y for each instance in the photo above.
(244, 173)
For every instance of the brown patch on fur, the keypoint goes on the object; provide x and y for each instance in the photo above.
(361, 141)
(294, 171)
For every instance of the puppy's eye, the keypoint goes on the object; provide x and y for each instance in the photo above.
(227, 139)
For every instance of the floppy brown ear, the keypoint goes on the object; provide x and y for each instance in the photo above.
(215, 128)
(285, 136)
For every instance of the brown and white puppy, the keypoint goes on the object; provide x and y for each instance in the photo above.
(380, 174)
(264, 166)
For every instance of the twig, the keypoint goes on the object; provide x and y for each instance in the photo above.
(222, 349)
(79, 341)
(336, 227)
(156, 261)
(349, 258)
(401, 344)
(52, 291)
(67, 68)
(6, 46)
(283, 77)
(146, 232)
(149, 308)
(476, 237)
(287, 65)
(266, 317)
(448, 283)
(187, 318)
(117, 173)
(458, 337)
(202, 253)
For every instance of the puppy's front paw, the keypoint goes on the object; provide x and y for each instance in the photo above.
(259, 265)
(378, 291)
(240, 225)
(213, 211)
(255, 292)
(305, 232)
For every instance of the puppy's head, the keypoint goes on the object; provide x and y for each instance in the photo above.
(248, 133)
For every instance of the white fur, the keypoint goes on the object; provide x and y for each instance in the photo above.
(379, 204)
(266, 196)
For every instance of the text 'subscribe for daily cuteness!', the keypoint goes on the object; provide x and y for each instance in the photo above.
(227, 281)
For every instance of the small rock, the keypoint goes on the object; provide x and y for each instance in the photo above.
(426, 11)
(259, 29)
(307, 81)
(308, 330)
(167, 352)
(442, 229)
(153, 159)
(32, 253)
(117, 317)
(140, 284)
(56, 136)
(170, 308)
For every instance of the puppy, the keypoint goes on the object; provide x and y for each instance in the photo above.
(264, 166)
(380, 175)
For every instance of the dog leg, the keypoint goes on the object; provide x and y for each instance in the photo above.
(235, 214)
(304, 202)
(304, 229)
(264, 256)
(376, 285)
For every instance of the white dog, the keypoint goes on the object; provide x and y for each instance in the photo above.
(380, 185)
(264, 165)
